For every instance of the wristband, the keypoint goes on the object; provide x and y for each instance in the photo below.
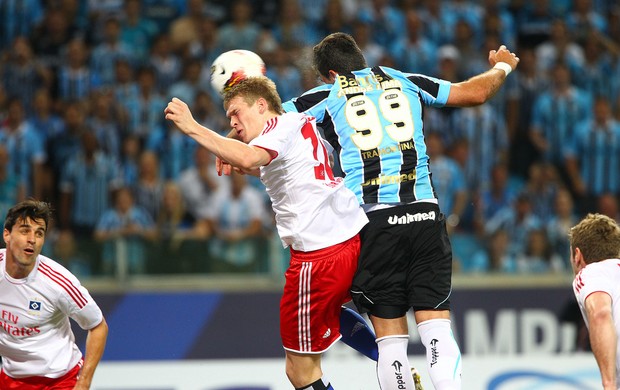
(503, 66)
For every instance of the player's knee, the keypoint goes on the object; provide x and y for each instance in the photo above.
(302, 370)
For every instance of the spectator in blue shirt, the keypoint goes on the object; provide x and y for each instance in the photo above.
(593, 159)
(137, 32)
(87, 181)
(241, 32)
(103, 120)
(412, 51)
(125, 230)
(105, 55)
(19, 18)
(284, 73)
(145, 107)
(76, 80)
(10, 190)
(386, 20)
(23, 73)
(166, 64)
(555, 114)
(25, 148)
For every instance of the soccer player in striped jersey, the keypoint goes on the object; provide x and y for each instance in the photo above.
(316, 215)
(37, 298)
(373, 119)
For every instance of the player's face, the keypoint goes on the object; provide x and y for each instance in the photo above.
(246, 120)
(23, 244)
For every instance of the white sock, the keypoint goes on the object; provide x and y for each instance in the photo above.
(393, 368)
(443, 356)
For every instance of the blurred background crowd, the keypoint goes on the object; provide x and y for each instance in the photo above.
(84, 84)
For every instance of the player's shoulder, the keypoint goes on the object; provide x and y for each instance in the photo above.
(597, 271)
(606, 267)
(61, 282)
(55, 274)
(308, 99)
(317, 93)
(386, 69)
(288, 122)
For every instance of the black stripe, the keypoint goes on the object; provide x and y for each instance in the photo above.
(426, 84)
(410, 161)
(371, 159)
(372, 169)
(310, 100)
(382, 75)
(328, 131)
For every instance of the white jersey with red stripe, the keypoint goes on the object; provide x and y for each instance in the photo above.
(35, 335)
(313, 208)
(601, 276)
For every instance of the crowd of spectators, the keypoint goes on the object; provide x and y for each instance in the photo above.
(84, 85)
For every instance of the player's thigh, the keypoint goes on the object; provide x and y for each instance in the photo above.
(393, 247)
(429, 278)
(316, 285)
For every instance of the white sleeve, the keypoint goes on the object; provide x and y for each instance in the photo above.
(77, 303)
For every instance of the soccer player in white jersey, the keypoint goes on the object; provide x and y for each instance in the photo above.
(316, 216)
(595, 248)
(37, 298)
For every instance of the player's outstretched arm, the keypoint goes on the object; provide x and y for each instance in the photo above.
(478, 89)
(95, 344)
(246, 157)
(603, 337)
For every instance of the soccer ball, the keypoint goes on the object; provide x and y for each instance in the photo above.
(233, 66)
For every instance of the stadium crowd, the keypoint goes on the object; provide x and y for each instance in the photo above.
(84, 85)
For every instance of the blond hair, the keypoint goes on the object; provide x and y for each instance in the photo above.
(254, 88)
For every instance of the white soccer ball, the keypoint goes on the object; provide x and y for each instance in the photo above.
(233, 66)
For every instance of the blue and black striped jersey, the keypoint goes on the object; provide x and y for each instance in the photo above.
(373, 119)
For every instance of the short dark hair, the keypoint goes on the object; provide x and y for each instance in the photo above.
(30, 208)
(253, 88)
(338, 52)
(597, 236)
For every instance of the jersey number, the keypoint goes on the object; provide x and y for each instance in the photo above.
(323, 168)
(363, 116)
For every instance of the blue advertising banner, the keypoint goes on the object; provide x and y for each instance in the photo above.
(245, 325)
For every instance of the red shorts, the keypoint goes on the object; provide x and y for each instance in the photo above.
(65, 382)
(317, 284)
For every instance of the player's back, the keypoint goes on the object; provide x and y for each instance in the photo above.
(377, 114)
(373, 118)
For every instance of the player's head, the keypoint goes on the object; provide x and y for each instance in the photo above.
(595, 238)
(249, 104)
(24, 234)
(38, 211)
(337, 52)
(254, 88)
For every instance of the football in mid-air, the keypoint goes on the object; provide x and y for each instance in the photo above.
(233, 66)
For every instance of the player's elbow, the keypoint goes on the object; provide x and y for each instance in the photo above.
(468, 95)
(480, 98)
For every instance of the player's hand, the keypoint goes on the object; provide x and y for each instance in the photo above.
(503, 55)
(222, 167)
(178, 112)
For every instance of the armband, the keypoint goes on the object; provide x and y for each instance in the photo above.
(503, 66)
